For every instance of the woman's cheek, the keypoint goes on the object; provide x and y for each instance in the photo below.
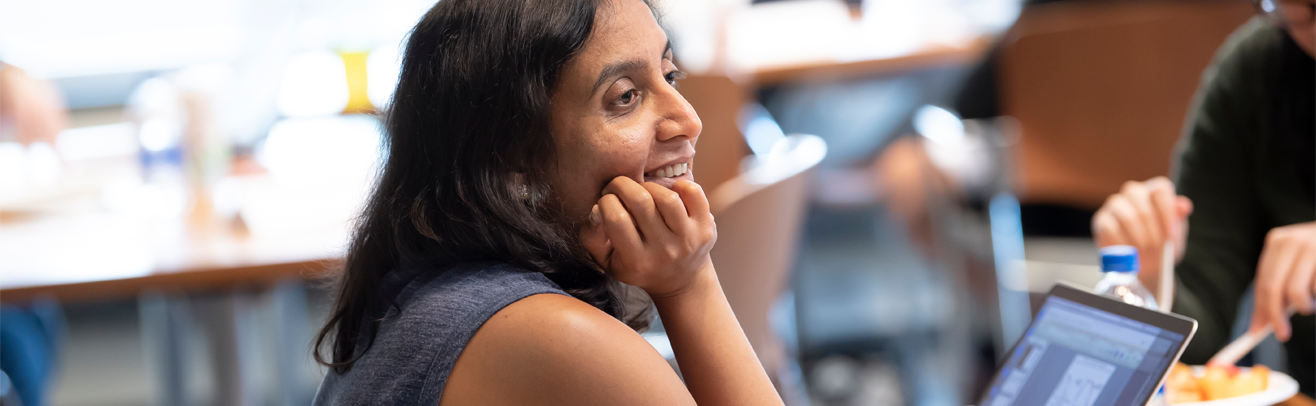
(626, 155)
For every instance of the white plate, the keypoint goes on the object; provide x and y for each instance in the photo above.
(1279, 388)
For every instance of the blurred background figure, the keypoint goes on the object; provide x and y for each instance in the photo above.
(32, 114)
(31, 109)
(1241, 208)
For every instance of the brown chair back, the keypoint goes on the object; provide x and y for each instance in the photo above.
(1101, 90)
(717, 100)
(759, 217)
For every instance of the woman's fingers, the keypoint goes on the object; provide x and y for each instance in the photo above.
(1140, 196)
(1299, 285)
(1131, 222)
(1165, 203)
(595, 238)
(618, 225)
(1106, 229)
(1277, 257)
(1184, 206)
(669, 205)
(1144, 215)
(640, 203)
(696, 202)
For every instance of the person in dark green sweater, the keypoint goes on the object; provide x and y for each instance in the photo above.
(1246, 172)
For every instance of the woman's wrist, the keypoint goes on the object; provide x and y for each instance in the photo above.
(702, 284)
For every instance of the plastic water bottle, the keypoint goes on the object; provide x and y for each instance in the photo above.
(1120, 264)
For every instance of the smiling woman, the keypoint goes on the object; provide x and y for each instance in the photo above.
(538, 174)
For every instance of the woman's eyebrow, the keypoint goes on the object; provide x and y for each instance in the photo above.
(615, 69)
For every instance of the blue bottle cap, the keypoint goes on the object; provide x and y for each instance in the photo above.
(1119, 258)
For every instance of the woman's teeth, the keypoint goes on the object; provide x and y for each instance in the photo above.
(672, 171)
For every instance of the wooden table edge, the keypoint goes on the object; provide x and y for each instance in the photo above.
(208, 279)
(1298, 400)
(841, 70)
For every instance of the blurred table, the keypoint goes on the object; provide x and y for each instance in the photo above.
(98, 256)
(777, 42)
(1298, 400)
(930, 55)
(106, 231)
(191, 276)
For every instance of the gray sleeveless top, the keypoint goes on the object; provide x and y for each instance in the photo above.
(435, 313)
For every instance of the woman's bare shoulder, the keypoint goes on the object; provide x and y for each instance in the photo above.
(551, 349)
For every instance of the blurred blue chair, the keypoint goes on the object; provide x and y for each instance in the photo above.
(30, 338)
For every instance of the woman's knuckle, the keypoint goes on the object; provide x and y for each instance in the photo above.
(1295, 291)
(1274, 235)
(1160, 182)
(671, 199)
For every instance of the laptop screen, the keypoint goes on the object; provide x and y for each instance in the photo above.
(1077, 355)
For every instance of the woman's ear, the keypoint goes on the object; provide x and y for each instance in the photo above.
(519, 188)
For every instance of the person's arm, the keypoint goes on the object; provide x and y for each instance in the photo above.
(32, 106)
(719, 366)
(658, 239)
(1216, 224)
(552, 349)
(556, 350)
(1286, 278)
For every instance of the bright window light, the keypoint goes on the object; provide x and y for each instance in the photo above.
(939, 125)
(382, 69)
(314, 84)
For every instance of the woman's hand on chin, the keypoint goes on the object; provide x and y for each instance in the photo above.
(651, 237)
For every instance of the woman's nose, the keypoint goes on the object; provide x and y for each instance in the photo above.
(678, 118)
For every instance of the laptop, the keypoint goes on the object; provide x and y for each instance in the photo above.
(1088, 350)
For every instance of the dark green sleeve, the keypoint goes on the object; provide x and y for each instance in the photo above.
(1225, 230)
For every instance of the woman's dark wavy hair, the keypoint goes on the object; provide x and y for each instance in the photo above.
(469, 123)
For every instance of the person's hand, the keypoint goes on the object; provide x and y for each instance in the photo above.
(1285, 277)
(652, 237)
(32, 106)
(1144, 215)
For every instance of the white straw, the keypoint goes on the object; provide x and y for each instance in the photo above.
(1245, 343)
(1165, 297)
(1240, 347)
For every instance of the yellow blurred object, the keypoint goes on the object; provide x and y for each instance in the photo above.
(1181, 386)
(1228, 381)
(358, 100)
(1216, 382)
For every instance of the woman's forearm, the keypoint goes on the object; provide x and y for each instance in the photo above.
(716, 360)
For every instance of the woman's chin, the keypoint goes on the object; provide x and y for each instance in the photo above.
(669, 182)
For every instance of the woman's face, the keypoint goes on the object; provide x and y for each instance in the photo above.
(616, 111)
(1300, 16)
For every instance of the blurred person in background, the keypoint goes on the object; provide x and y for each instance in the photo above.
(538, 158)
(1247, 181)
(31, 111)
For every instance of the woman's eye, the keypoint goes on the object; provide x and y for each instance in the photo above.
(673, 76)
(627, 97)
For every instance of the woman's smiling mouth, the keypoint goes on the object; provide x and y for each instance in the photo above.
(667, 176)
(669, 171)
